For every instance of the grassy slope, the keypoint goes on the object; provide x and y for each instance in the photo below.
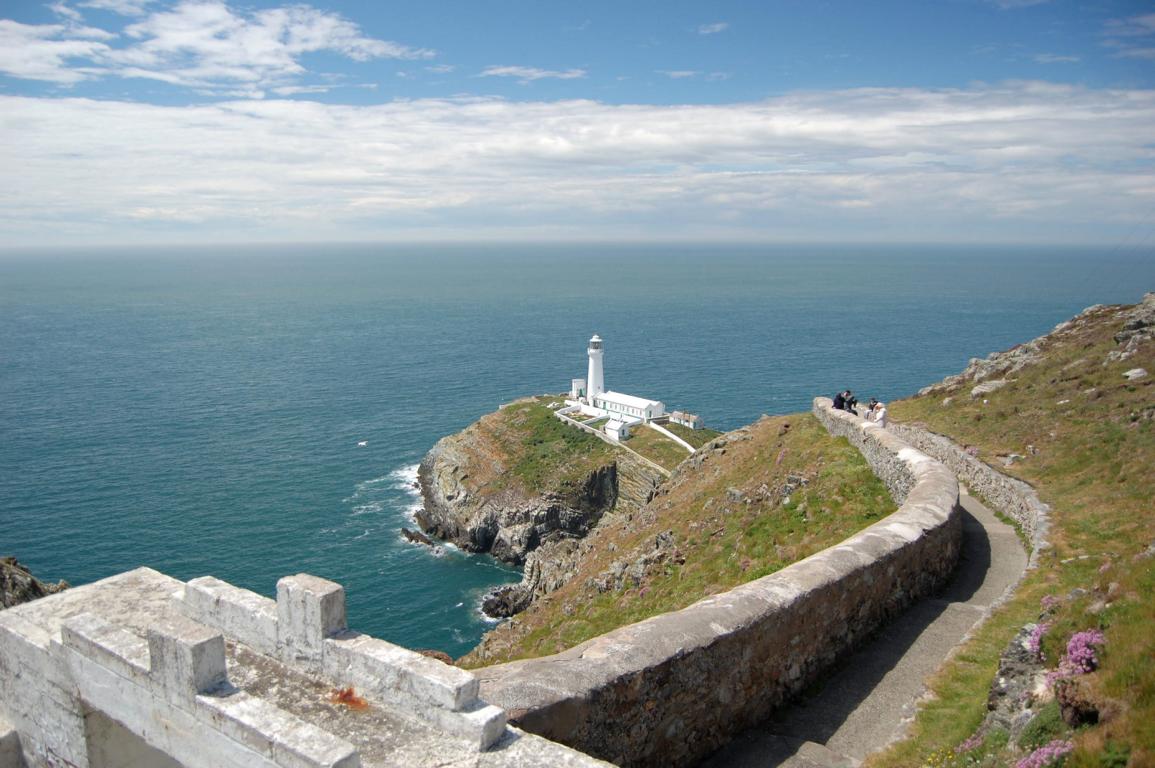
(695, 437)
(656, 447)
(541, 453)
(720, 540)
(1093, 462)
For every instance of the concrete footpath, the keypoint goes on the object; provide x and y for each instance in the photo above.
(864, 703)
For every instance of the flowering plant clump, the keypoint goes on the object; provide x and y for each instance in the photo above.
(1049, 601)
(1081, 650)
(1048, 755)
(974, 742)
(1035, 640)
(1081, 656)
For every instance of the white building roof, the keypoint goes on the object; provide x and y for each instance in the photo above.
(630, 400)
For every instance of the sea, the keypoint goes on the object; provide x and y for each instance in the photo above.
(253, 412)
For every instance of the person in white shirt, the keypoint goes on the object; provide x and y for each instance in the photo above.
(878, 414)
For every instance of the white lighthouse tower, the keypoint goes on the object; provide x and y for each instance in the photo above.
(595, 385)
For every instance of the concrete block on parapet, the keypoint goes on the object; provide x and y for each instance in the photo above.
(480, 724)
(108, 645)
(277, 735)
(185, 657)
(309, 609)
(438, 693)
(239, 613)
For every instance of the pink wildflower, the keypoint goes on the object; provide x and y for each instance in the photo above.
(1050, 754)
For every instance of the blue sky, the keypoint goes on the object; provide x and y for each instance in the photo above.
(208, 121)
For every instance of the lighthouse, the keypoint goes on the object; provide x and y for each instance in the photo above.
(595, 385)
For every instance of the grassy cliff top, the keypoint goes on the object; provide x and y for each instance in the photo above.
(525, 445)
(748, 504)
(1069, 421)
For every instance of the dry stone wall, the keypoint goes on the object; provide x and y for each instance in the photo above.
(1010, 496)
(670, 689)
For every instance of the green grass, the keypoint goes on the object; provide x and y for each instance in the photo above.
(1091, 460)
(547, 453)
(695, 437)
(656, 447)
(730, 521)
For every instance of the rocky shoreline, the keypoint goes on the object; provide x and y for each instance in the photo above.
(18, 585)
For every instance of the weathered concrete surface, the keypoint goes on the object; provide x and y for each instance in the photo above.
(868, 700)
(672, 688)
(142, 665)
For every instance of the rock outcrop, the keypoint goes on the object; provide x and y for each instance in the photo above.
(998, 369)
(18, 586)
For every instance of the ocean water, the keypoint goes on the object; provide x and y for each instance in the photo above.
(256, 412)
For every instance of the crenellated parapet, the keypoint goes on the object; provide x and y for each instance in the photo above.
(144, 669)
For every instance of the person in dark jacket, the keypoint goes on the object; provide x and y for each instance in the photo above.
(840, 401)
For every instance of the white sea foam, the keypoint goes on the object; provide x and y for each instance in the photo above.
(405, 478)
(371, 507)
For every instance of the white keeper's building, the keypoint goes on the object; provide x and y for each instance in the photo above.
(593, 399)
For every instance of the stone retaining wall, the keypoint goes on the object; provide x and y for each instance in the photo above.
(671, 689)
(1013, 498)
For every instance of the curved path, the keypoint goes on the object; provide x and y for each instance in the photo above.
(864, 703)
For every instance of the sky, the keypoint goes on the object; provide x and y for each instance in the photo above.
(922, 121)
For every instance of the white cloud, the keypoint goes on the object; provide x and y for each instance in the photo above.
(123, 7)
(529, 74)
(1029, 160)
(1007, 5)
(1132, 37)
(1055, 58)
(201, 44)
(48, 51)
(678, 74)
(66, 13)
(440, 69)
(713, 29)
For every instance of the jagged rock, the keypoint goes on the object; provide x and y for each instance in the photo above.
(18, 586)
(988, 386)
(1018, 687)
(1135, 374)
(632, 570)
(506, 601)
(1138, 328)
(417, 537)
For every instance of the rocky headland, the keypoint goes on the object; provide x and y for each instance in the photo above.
(525, 488)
